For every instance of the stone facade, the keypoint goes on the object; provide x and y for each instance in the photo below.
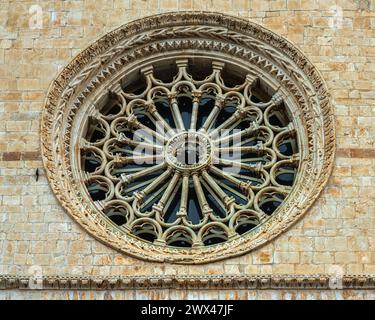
(336, 237)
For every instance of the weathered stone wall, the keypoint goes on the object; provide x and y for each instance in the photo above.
(336, 236)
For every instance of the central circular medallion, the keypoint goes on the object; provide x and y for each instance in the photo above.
(188, 151)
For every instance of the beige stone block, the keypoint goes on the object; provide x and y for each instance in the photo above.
(251, 269)
(323, 258)
(277, 5)
(10, 190)
(167, 4)
(215, 270)
(338, 243)
(13, 56)
(259, 5)
(309, 269)
(103, 260)
(11, 106)
(283, 268)
(80, 247)
(20, 259)
(99, 248)
(23, 247)
(185, 4)
(73, 260)
(321, 22)
(21, 126)
(286, 257)
(38, 247)
(293, 4)
(300, 244)
(350, 192)
(343, 171)
(361, 171)
(306, 257)
(354, 268)
(276, 24)
(11, 200)
(295, 34)
(346, 257)
(122, 4)
(5, 44)
(239, 5)
(41, 259)
(263, 257)
(366, 192)
(369, 268)
(231, 269)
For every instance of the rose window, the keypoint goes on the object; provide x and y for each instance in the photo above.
(188, 137)
(189, 159)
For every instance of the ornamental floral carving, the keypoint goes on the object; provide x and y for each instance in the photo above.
(188, 137)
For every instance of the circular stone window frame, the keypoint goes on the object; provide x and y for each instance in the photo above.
(273, 56)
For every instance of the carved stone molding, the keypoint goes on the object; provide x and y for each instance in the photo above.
(233, 282)
(98, 69)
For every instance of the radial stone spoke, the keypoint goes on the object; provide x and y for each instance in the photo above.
(237, 193)
(225, 125)
(226, 176)
(247, 178)
(140, 145)
(140, 159)
(172, 196)
(205, 208)
(165, 124)
(132, 170)
(240, 149)
(238, 164)
(176, 112)
(184, 196)
(218, 200)
(146, 203)
(139, 185)
(142, 173)
(194, 112)
(237, 136)
(219, 102)
(168, 192)
(216, 188)
(156, 182)
(153, 133)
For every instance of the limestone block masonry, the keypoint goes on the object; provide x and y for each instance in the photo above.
(329, 252)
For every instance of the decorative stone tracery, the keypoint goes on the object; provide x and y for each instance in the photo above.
(111, 90)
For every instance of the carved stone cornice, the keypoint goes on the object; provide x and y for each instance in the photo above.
(233, 282)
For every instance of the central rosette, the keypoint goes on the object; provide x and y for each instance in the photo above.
(188, 151)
